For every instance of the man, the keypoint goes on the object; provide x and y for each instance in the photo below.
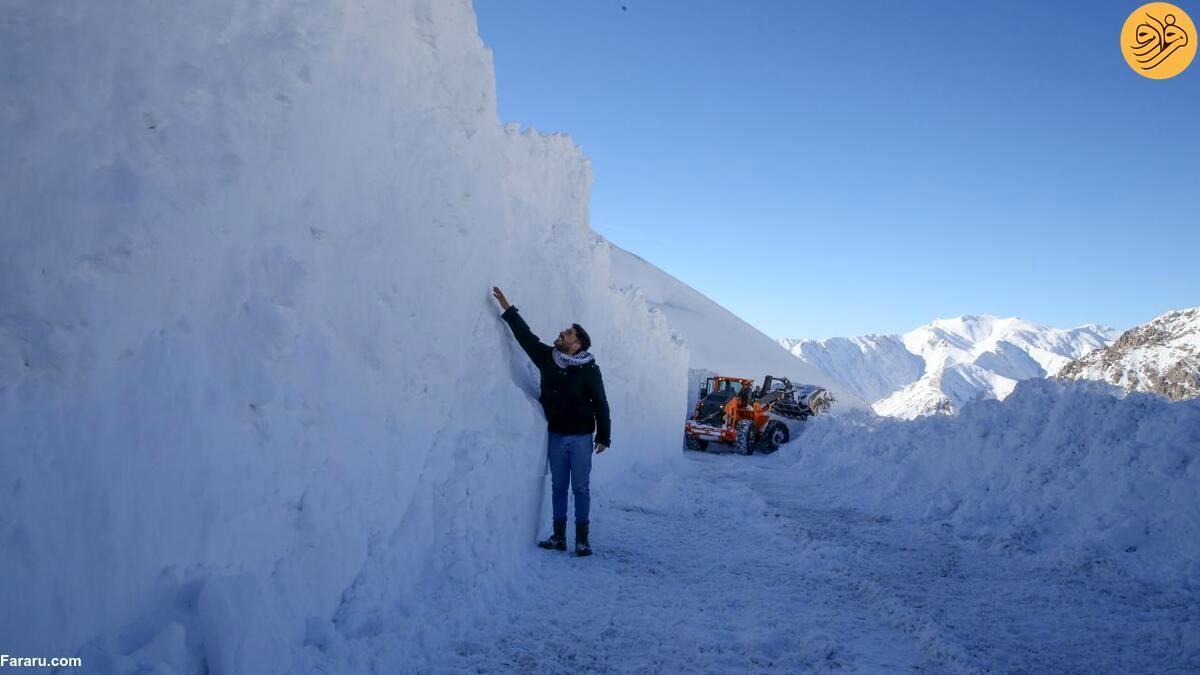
(573, 399)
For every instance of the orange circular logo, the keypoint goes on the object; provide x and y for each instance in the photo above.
(1158, 40)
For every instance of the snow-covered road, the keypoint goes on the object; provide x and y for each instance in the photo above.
(733, 564)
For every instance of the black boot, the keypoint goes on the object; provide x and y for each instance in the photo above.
(582, 547)
(558, 540)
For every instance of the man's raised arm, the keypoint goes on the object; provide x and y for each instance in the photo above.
(536, 350)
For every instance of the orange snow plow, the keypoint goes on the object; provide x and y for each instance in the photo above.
(732, 410)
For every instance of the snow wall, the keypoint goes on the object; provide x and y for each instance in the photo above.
(1069, 470)
(253, 388)
(720, 343)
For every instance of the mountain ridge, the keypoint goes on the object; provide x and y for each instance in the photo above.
(939, 366)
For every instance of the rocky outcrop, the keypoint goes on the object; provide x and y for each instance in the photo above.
(1162, 356)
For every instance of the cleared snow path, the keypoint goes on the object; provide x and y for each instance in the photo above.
(732, 564)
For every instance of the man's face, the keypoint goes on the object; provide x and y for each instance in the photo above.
(567, 342)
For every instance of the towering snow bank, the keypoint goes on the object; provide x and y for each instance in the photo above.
(1068, 469)
(251, 378)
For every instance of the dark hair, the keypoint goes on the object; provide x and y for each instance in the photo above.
(585, 341)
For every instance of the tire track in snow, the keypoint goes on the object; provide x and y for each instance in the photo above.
(686, 584)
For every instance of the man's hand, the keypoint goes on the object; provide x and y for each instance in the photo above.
(600, 447)
(499, 295)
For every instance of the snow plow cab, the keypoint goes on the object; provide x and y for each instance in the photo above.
(732, 410)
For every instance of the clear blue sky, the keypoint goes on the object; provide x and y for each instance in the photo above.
(869, 167)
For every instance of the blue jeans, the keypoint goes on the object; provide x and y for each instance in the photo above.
(570, 464)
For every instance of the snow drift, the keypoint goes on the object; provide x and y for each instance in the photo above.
(719, 342)
(1066, 469)
(253, 388)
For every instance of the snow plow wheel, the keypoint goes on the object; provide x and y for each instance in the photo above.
(745, 440)
(774, 435)
(693, 443)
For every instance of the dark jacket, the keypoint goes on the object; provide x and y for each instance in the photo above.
(572, 397)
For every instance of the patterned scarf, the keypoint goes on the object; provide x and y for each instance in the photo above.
(563, 360)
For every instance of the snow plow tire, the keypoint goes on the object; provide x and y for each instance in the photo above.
(745, 437)
(774, 435)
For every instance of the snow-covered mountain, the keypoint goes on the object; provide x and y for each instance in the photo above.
(940, 366)
(873, 366)
(1162, 356)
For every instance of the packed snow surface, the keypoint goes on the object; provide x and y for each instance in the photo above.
(940, 366)
(1161, 356)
